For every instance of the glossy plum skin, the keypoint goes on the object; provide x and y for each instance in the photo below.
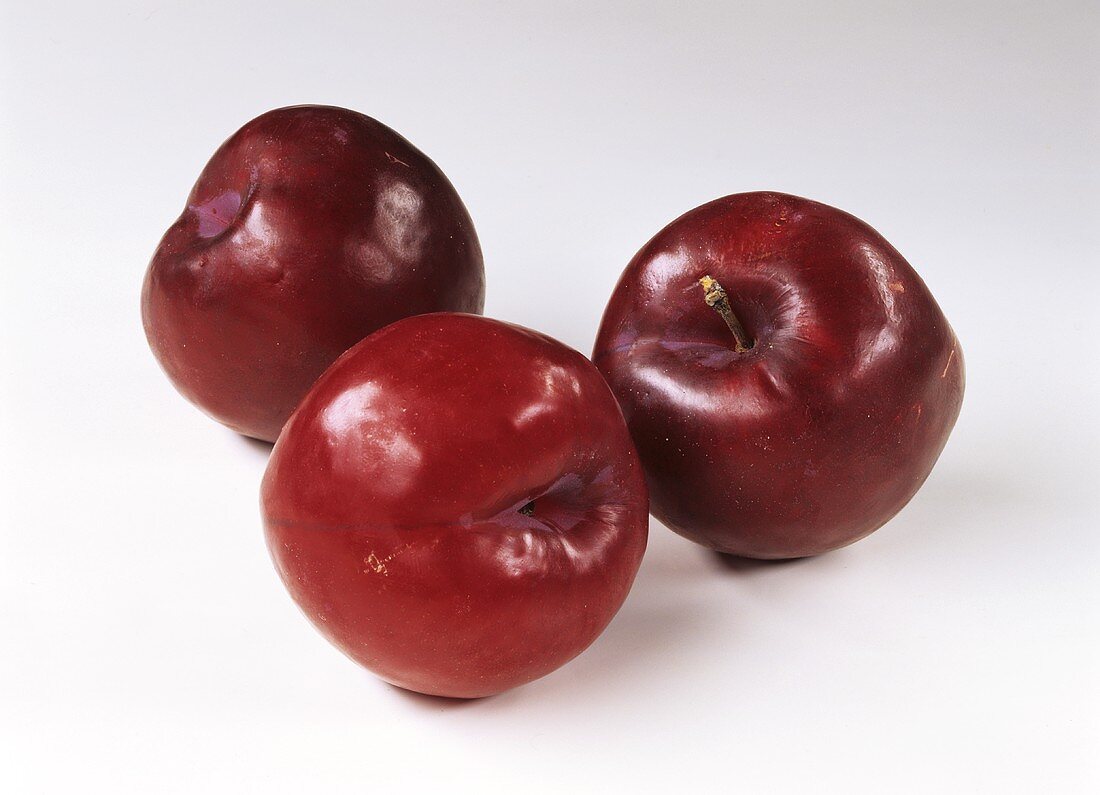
(310, 228)
(457, 505)
(828, 425)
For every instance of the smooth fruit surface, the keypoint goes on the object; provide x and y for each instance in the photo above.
(310, 228)
(828, 424)
(457, 505)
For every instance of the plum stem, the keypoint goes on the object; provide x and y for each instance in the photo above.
(717, 300)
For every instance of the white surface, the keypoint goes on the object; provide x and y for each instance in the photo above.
(145, 642)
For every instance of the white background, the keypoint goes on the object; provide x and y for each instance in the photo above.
(145, 642)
